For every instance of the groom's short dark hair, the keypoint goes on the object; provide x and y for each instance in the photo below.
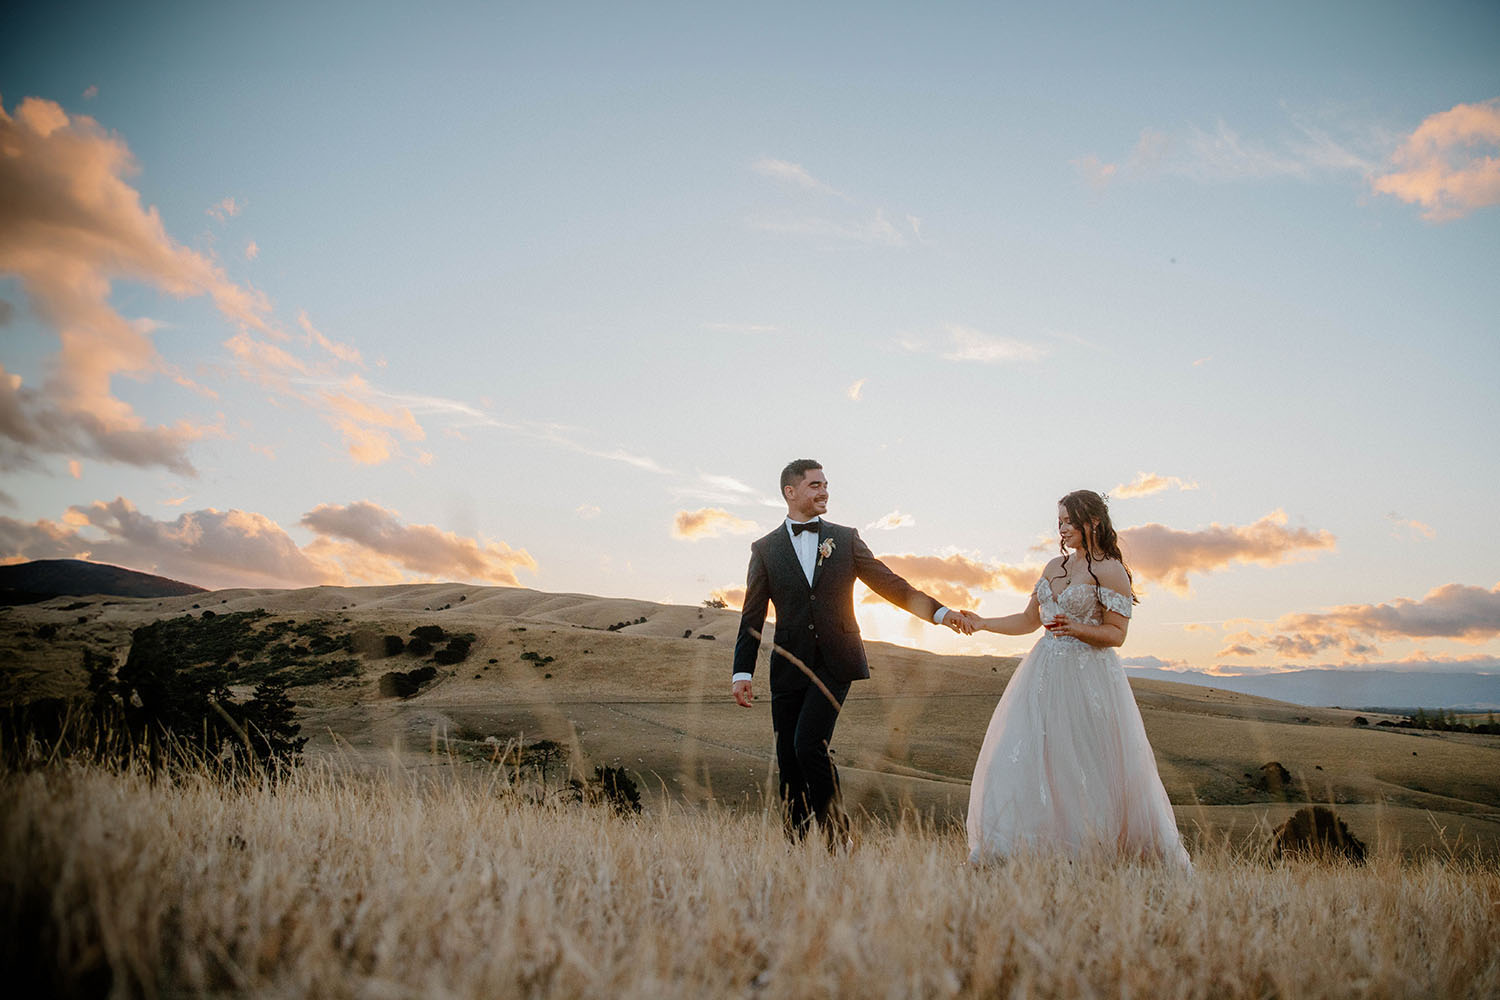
(796, 469)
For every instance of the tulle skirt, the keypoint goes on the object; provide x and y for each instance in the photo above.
(1066, 766)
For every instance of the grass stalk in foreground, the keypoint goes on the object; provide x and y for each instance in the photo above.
(333, 885)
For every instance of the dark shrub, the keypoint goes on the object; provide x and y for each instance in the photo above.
(1316, 832)
(1359, 720)
(419, 647)
(47, 631)
(404, 684)
(456, 651)
(394, 645)
(432, 633)
(618, 789)
(706, 636)
(1271, 778)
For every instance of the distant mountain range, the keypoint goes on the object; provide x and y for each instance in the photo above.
(1374, 690)
(27, 583)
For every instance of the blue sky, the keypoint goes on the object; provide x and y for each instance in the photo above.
(547, 294)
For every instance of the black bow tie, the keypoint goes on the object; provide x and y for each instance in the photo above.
(798, 529)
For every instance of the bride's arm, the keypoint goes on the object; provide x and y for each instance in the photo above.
(1027, 621)
(1110, 632)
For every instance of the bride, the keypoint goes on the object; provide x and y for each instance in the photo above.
(1065, 763)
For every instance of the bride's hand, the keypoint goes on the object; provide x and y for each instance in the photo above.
(976, 623)
(959, 621)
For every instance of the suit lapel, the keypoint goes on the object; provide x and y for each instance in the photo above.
(825, 531)
(790, 564)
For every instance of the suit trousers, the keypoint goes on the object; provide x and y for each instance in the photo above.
(804, 719)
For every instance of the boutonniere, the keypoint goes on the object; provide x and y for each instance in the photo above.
(825, 549)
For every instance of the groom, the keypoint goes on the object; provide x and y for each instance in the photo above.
(807, 568)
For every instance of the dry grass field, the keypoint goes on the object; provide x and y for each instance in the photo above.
(652, 697)
(403, 861)
(459, 885)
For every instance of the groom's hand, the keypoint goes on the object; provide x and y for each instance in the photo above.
(959, 621)
(742, 693)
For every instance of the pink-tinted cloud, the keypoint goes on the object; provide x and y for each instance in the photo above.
(419, 548)
(70, 225)
(1168, 555)
(370, 429)
(1451, 164)
(211, 548)
(708, 522)
(359, 543)
(1452, 611)
(344, 352)
(953, 579)
(1146, 483)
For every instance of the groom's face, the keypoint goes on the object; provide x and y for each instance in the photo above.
(808, 499)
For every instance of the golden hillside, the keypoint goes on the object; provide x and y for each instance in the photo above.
(652, 696)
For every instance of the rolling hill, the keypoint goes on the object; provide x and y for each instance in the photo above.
(27, 583)
(644, 686)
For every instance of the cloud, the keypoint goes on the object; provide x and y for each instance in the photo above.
(1168, 555)
(225, 209)
(1452, 611)
(1095, 171)
(1155, 662)
(252, 250)
(587, 511)
(354, 533)
(966, 344)
(1408, 526)
(90, 92)
(874, 231)
(343, 352)
(953, 579)
(734, 597)
(1303, 150)
(793, 173)
(856, 389)
(369, 429)
(70, 224)
(1451, 164)
(708, 522)
(1146, 483)
(890, 522)
(360, 543)
(209, 547)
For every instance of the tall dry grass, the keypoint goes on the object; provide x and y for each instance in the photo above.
(342, 886)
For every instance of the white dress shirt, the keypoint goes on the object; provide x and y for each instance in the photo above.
(805, 545)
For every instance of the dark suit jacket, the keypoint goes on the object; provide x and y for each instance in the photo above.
(816, 619)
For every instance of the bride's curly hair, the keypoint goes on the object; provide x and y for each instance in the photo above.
(1090, 514)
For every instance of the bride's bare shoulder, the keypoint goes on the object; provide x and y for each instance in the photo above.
(1111, 574)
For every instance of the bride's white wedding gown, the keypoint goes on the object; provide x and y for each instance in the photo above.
(1065, 764)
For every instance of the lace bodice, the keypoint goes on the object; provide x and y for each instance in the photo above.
(1083, 602)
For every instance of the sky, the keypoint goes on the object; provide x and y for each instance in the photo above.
(545, 295)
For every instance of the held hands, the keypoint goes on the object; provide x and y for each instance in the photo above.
(962, 622)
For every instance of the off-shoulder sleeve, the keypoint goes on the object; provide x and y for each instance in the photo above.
(1114, 601)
